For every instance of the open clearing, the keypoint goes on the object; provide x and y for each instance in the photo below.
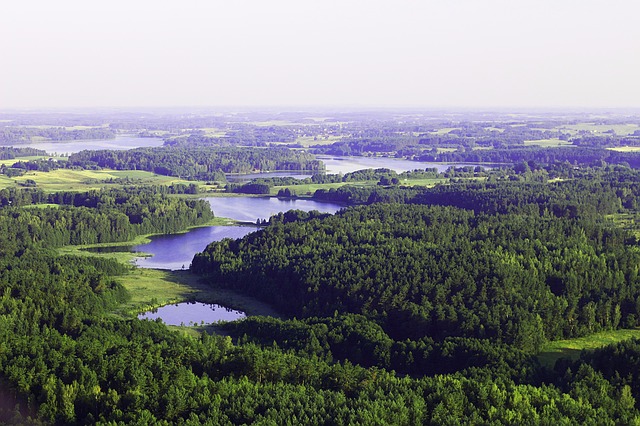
(552, 351)
(619, 129)
(625, 148)
(547, 143)
(84, 180)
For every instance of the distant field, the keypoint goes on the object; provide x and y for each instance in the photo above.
(213, 132)
(553, 351)
(619, 129)
(626, 148)
(33, 157)
(547, 143)
(83, 180)
(444, 130)
(307, 141)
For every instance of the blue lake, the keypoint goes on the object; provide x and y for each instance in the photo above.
(176, 251)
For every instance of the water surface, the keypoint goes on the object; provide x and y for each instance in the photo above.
(193, 313)
(335, 165)
(248, 209)
(176, 251)
(70, 147)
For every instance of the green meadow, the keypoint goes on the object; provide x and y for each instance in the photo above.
(552, 351)
(84, 180)
(619, 129)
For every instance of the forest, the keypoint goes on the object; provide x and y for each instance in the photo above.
(414, 304)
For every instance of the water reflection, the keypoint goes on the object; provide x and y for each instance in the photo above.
(175, 251)
(193, 313)
(248, 209)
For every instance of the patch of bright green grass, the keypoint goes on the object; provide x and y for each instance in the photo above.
(84, 180)
(307, 141)
(552, 351)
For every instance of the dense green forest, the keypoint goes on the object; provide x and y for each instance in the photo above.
(198, 163)
(20, 135)
(414, 305)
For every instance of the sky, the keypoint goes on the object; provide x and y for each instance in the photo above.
(369, 53)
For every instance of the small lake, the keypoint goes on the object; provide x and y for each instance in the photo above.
(70, 147)
(193, 313)
(335, 165)
(248, 209)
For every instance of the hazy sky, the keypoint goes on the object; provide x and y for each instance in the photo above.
(432, 53)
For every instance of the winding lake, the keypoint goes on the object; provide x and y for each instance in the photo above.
(176, 251)
(121, 142)
(193, 313)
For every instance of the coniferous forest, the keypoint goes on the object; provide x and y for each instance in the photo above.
(414, 304)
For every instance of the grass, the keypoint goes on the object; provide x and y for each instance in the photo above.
(552, 351)
(12, 161)
(619, 129)
(308, 141)
(152, 288)
(84, 180)
(626, 148)
(444, 130)
(547, 143)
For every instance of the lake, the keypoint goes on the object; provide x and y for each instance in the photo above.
(193, 313)
(121, 142)
(248, 209)
(335, 165)
(176, 251)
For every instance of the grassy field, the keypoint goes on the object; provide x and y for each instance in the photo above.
(552, 351)
(444, 130)
(84, 180)
(307, 141)
(619, 129)
(33, 157)
(547, 143)
(626, 148)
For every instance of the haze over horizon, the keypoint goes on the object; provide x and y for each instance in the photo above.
(433, 54)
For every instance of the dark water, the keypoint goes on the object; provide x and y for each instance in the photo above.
(193, 313)
(119, 143)
(176, 251)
